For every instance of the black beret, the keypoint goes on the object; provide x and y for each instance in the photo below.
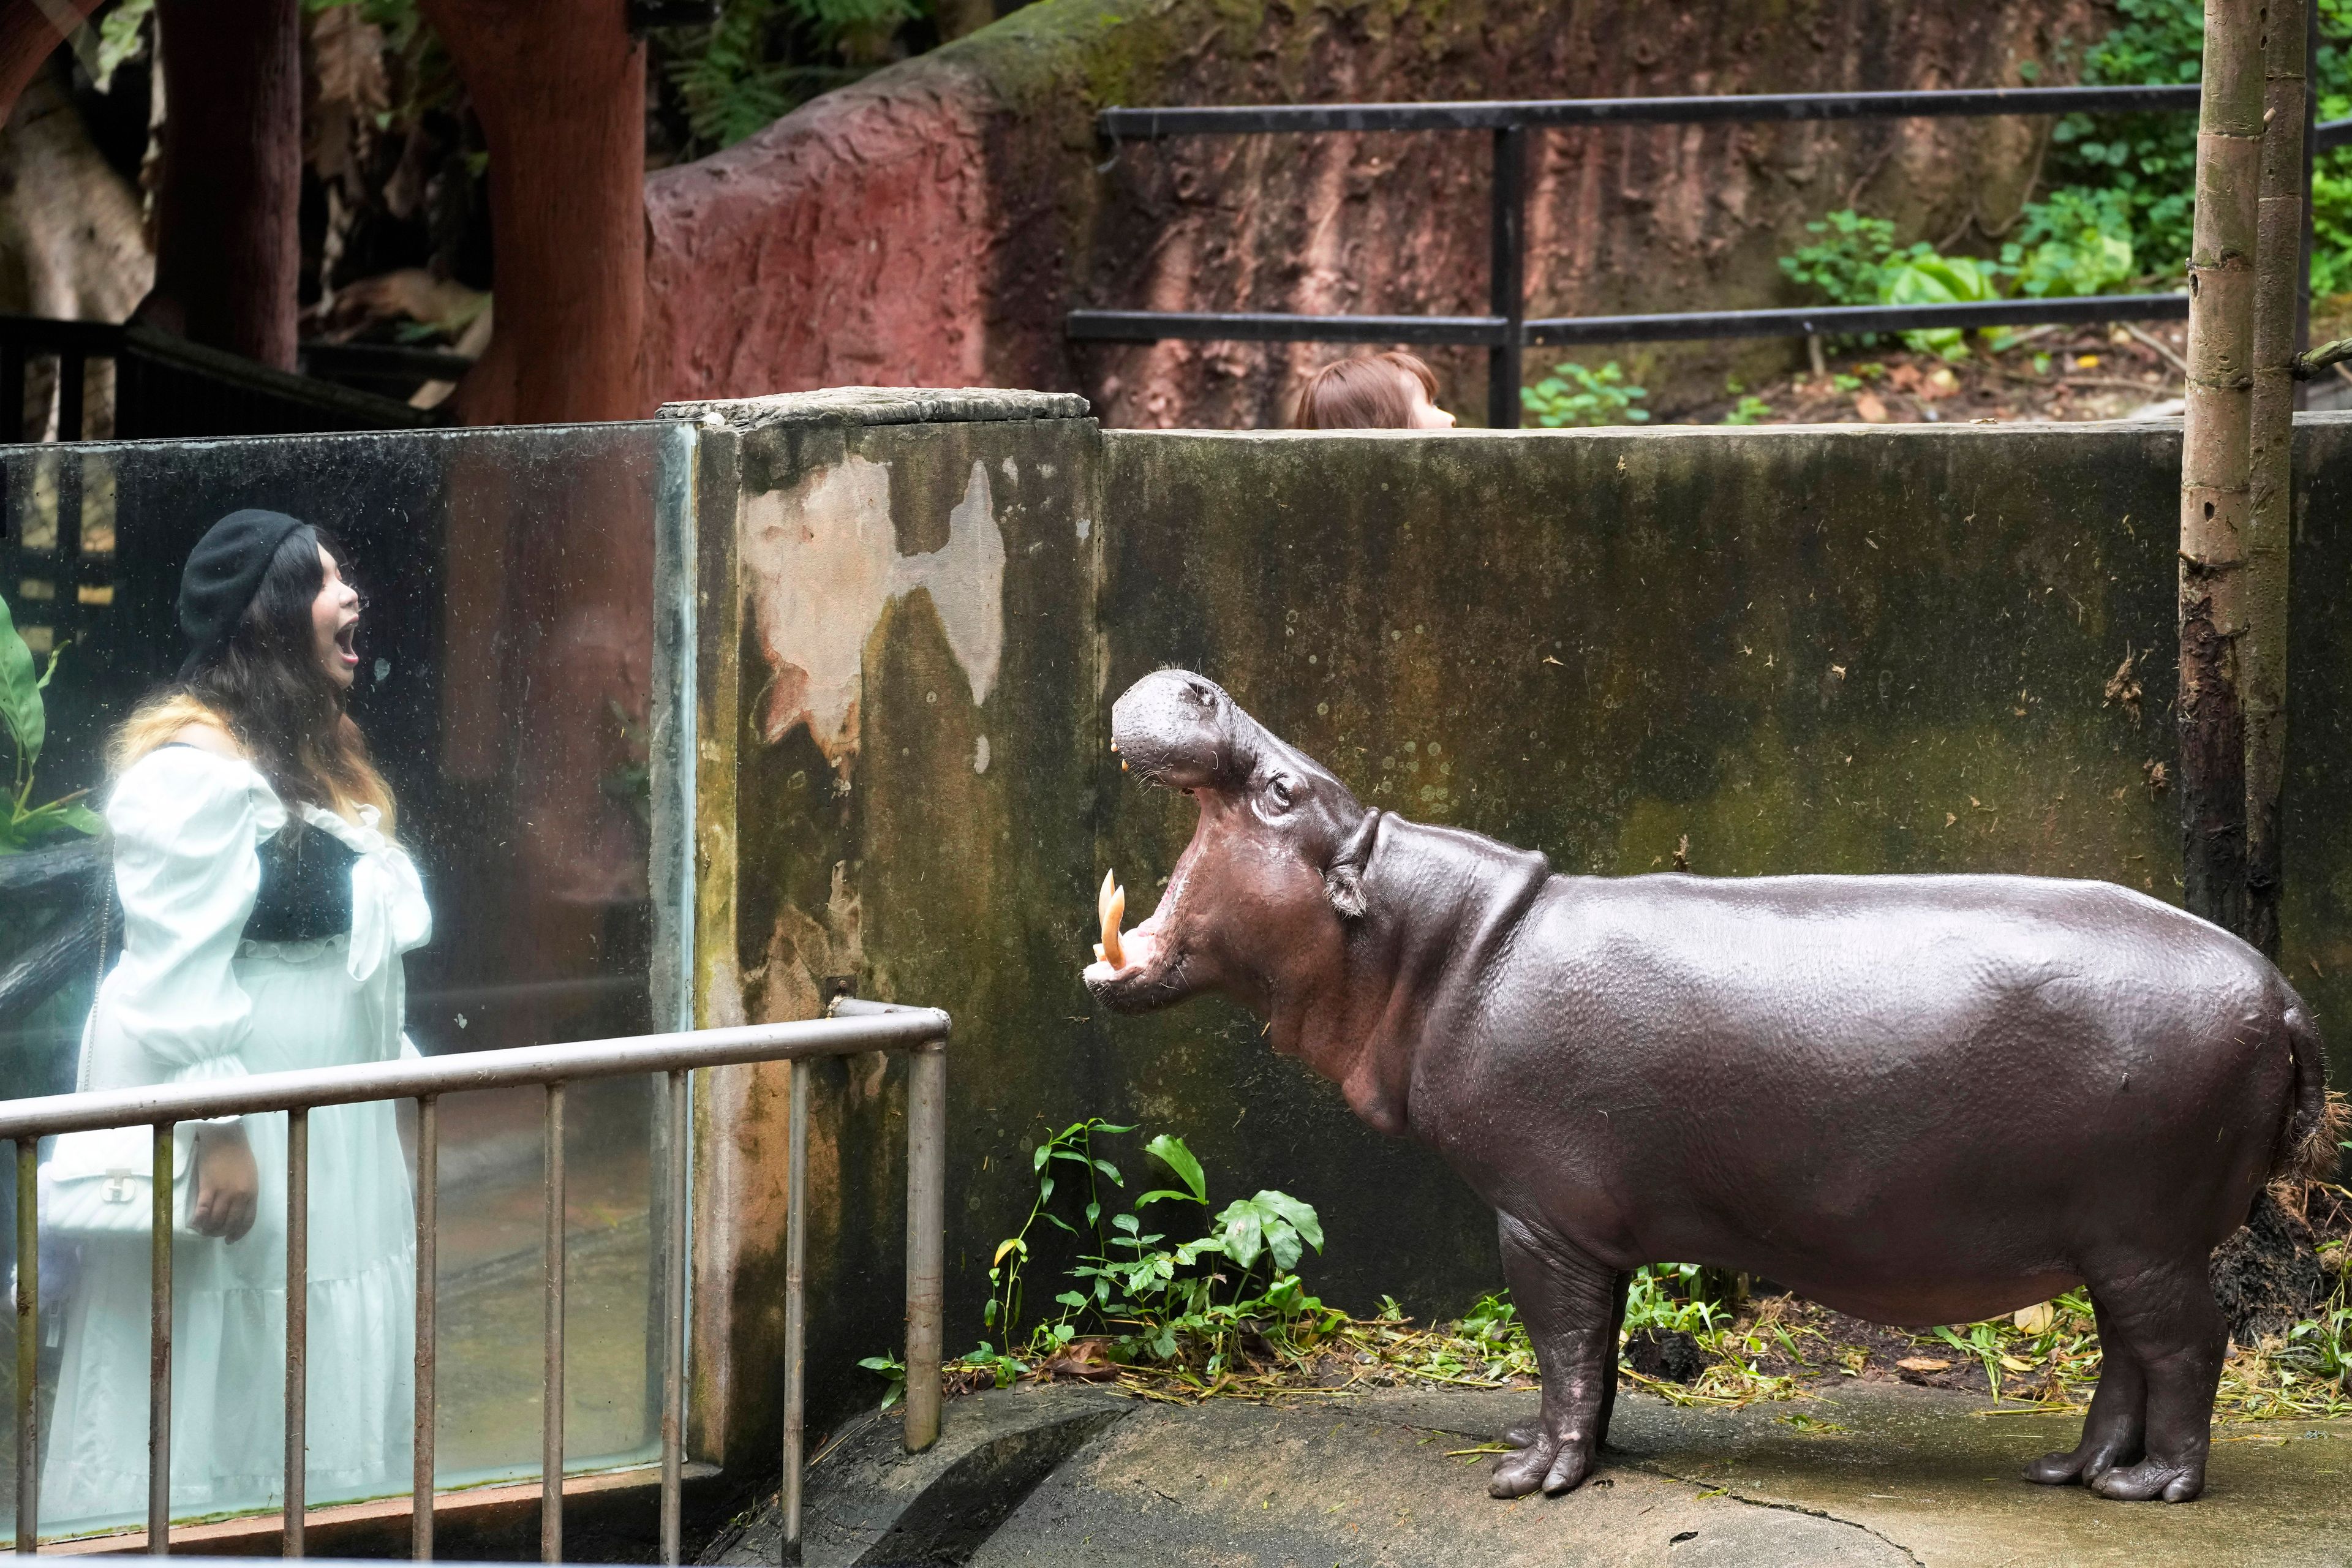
(223, 575)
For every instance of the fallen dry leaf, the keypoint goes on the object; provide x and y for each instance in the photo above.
(1872, 408)
(1923, 1364)
(2036, 1318)
(1089, 1360)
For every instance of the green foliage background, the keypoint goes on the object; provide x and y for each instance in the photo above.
(2150, 160)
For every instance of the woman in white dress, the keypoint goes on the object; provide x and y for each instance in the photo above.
(265, 909)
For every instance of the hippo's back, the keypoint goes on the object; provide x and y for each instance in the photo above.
(1848, 1078)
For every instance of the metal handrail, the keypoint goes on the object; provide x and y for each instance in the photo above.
(1506, 331)
(855, 1027)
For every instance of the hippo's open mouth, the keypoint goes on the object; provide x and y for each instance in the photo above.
(1141, 968)
(1259, 874)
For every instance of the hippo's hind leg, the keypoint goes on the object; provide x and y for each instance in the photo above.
(1571, 1303)
(2115, 1432)
(1519, 1434)
(2163, 1316)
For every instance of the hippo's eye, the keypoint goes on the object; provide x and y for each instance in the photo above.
(1277, 792)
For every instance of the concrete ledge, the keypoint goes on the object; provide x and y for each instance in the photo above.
(869, 1503)
(858, 405)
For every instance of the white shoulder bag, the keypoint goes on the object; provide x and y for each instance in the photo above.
(103, 1184)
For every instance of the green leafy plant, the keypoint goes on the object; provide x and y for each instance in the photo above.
(1073, 1144)
(1857, 262)
(2077, 242)
(1848, 264)
(1924, 277)
(1195, 1306)
(1750, 410)
(1670, 1297)
(1574, 395)
(2148, 161)
(762, 58)
(25, 718)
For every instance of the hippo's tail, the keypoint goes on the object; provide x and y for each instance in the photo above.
(2311, 1148)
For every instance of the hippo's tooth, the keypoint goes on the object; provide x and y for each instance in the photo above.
(1113, 953)
(1102, 897)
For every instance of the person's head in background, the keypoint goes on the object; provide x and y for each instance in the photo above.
(1372, 392)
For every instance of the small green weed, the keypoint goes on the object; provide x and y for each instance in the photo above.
(1752, 410)
(1573, 396)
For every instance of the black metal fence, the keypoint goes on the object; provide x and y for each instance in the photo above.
(1506, 331)
(166, 386)
(70, 381)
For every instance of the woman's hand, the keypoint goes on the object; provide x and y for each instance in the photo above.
(228, 1184)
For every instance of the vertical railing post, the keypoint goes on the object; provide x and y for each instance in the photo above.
(551, 1458)
(674, 1265)
(159, 1348)
(1507, 274)
(428, 1202)
(28, 1343)
(927, 1136)
(297, 1327)
(795, 1308)
(12, 391)
(73, 371)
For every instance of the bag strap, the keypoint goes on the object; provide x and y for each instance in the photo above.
(105, 931)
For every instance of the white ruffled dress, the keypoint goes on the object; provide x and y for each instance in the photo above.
(190, 1001)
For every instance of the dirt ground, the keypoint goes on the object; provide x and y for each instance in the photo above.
(2060, 374)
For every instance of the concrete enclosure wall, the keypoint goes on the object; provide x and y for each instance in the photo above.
(1799, 649)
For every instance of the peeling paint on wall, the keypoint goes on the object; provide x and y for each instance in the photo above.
(821, 563)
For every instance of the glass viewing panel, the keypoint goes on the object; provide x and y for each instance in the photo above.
(504, 687)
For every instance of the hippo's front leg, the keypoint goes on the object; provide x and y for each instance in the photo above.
(1569, 1301)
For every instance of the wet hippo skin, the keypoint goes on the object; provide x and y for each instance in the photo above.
(1918, 1099)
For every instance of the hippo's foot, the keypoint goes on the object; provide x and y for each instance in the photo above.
(1520, 1434)
(1545, 1463)
(2081, 1465)
(2148, 1479)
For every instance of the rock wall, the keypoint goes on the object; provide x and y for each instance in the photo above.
(932, 223)
(1864, 649)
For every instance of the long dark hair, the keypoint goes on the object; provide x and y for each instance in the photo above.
(267, 689)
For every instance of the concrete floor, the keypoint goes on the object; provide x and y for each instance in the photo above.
(1887, 1474)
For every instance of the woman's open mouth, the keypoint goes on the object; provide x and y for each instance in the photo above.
(347, 637)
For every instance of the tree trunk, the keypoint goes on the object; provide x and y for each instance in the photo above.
(2277, 299)
(227, 253)
(559, 86)
(2214, 464)
(29, 35)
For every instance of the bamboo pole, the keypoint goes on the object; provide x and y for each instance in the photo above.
(2215, 460)
(2278, 290)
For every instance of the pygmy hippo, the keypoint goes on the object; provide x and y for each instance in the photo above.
(1916, 1100)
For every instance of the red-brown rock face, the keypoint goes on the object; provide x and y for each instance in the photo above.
(932, 224)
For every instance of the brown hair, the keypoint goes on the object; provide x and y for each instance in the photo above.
(1363, 393)
(267, 692)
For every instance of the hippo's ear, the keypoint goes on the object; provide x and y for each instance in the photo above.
(1343, 879)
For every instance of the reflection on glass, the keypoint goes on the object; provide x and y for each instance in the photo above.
(500, 674)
